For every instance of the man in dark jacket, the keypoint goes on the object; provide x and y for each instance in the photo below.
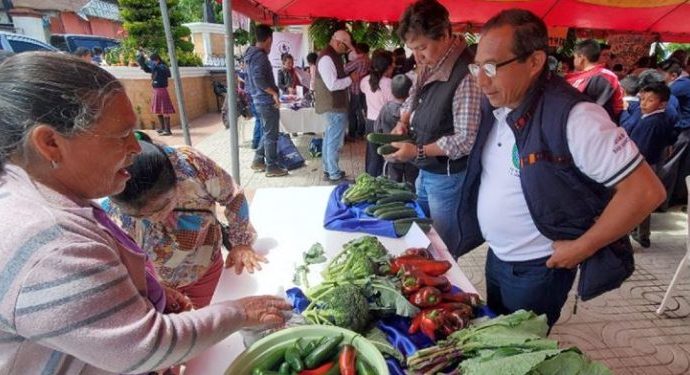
(262, 87)
(552, 182)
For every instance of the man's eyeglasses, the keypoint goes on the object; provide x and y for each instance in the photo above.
(490, 69)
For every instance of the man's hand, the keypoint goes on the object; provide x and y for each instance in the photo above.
(568, 254)
(263, 310)
(243, 256)
(406, 152)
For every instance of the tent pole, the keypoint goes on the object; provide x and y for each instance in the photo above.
(231, 92)
(175, 72)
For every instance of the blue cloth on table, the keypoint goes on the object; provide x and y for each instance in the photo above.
(394, 327)
(344, 218)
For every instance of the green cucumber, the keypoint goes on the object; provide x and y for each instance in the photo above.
(385, 210)
(398, 214)
(323, 352)
(383, 138)
(294, 358)
(402, 226)
(386, 149)
(270, 361)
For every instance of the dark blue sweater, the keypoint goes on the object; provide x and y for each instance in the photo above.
(651, 135)
(159, 72)
(631, 116)
(680, 88)
(259, 76)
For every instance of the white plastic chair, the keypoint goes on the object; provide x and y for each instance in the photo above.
(681, 266)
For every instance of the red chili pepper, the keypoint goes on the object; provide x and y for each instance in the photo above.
(418, 251)
(426, 297)
(414, 326)
(321, 370)
(450, 306)
(414, 279)
(429, 267)
(471, 299)
(347, 360)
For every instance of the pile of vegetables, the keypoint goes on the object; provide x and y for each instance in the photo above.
(389, 200)
(385, 141)
(425, 286)
(357, 288)
(514, 344)
(324, 356)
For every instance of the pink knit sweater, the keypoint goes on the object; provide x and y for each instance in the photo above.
(72, 301)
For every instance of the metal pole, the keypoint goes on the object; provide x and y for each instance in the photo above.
(175, 72)
(232, 91)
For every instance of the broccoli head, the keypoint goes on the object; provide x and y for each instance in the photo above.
(344, 306)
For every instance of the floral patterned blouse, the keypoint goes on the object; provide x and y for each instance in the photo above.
(185, 245)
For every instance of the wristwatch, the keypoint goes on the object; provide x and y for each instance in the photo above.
(421, 155)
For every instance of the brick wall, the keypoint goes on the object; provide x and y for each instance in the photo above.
(196, 84)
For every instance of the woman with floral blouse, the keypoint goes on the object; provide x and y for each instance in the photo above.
(169, 208)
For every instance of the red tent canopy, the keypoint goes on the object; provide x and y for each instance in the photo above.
(666, 17)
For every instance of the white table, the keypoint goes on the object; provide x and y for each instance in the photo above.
(288, 222)
(304, 120)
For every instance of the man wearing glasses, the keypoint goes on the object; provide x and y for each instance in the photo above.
(552, 183)
(331, 99)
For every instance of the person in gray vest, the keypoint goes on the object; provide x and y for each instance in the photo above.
(552, 182)
(262, 87)
(441, 112)
(331, 99)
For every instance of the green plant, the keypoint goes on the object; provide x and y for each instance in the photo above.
(193, 10)
(144, 26)
(242, 37)
(321, 29)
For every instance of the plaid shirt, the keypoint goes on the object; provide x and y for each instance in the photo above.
(360, 65)
(466, 112)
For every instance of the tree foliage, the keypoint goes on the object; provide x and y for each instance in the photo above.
(375, 34)
(144, 26)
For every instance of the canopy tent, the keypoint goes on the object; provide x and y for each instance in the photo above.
(665, 17)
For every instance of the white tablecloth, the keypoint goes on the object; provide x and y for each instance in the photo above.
(288, 221)
(304, 120)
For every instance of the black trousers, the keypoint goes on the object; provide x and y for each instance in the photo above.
(356, 115)
(373, 162)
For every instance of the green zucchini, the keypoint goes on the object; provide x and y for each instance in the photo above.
(401, 196)
(398, 214)
(402, 226)
(371, 210)
(383, 138)
(386, 149)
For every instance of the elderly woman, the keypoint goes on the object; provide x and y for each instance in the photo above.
(75, 295)
(169, 207)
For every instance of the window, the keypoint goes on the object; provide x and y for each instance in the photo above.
(23, 46)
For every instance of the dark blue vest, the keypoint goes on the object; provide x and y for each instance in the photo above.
(563, 202)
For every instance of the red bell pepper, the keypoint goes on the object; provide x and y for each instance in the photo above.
(321, 370)
(414, 325)
(471, 299)
(347, 360)
(427, 296)
(414, 279)
(429, 267)
(418, 251)
(431, 321)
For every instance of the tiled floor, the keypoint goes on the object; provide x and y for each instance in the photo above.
(619, 328)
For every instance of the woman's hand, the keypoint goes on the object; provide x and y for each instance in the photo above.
(263, 310)
(176, 302)
(243, 256)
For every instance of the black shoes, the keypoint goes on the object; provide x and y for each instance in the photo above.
(275, 171)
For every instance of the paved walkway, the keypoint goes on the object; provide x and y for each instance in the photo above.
(619, 328)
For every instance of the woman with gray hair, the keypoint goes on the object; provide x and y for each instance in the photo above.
(77, 295)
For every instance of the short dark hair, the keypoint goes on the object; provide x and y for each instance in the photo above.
(263, 32)
(604, 46)
(155, 57)
(650, 76)
(630, 84)
(424, 18)
(400, 86)
(152, 174)
(312, 57)
(660, 89)
(672, 66)
(82, 51)
(399, 52)
(285, 57)
(589, 48)
(530, 31)
(681, 55)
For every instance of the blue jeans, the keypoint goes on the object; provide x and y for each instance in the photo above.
(528, 285)
(439, 196)
(333, 139)
(268, 150)
(258, 128)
